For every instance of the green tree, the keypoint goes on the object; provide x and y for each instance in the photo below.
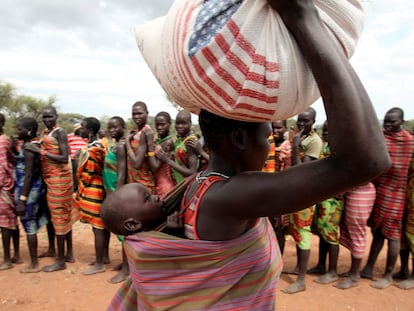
(15, 106)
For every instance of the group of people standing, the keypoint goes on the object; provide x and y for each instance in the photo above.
(230, 257)
(56, 178)
(384, 204)
(59, 178)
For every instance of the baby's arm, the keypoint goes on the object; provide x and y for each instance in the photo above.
(175, 225)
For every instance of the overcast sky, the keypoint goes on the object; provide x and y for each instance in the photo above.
(84, 53)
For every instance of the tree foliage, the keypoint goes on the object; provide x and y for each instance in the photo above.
(16, 106)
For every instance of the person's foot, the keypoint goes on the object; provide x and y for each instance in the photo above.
(327, 278)
(117, 267)
(120, 277)
(106, 261)
(54, 267)
(344, 274)
(294, 271)
(30, 269)
(407, 284)
(69, 258)
(295, 287)
(382, 283)
(94, 269)
(6, 265)
(17, 260)
(346, 283)
(48, 253)
(366, 274)
(400, 275)
(316, 270)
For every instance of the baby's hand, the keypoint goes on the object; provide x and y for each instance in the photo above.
(174, 221)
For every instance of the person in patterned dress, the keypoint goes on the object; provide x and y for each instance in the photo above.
(306, 147)
(391, 191)
(8, 219)
(30, 190)
(57, 175)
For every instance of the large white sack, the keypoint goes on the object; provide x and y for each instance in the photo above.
(237, 58)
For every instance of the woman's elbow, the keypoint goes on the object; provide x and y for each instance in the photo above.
(381, 163)
(372, 166)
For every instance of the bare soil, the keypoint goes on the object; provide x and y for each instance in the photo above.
(69, 290)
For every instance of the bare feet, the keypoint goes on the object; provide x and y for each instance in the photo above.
(407, 284)
(6, 265)
(382, 283)
(294, 271)
(94, 269)
(48, 253)
(106, 261)
(30, 269)
(327, 278)
(345, 274)
(54, 267)
(366, 274)
(17, 260)
(296, 287)
(346, 283)
(316, 270)
(117, 267)
(120, 277)
(69, 258)
(400, 275)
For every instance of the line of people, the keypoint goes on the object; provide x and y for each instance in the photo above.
(384, 204)
(59, 178)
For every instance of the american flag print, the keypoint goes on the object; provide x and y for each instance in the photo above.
(236, 58)
(221, 67)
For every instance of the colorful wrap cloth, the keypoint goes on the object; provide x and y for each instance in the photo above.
(91, 191)
(358, 206)
(163, 176)
(170, 273)
(391, 186)
(270, 164)
(110, 176)
(164, 181)
(36, 214)
(143, 175)
(408, 239)
(278, 159)
(110, 171)
(8, 217)
(328, 213)
(236, 58)
(300, 227)
(180, 155)
(59, 181)
(327, 219)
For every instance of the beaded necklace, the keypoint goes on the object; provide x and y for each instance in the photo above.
(200, 178)
(162, 139)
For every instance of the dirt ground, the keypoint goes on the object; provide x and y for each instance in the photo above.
(69, 290)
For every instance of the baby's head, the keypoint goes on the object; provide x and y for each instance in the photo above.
(131, 209)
